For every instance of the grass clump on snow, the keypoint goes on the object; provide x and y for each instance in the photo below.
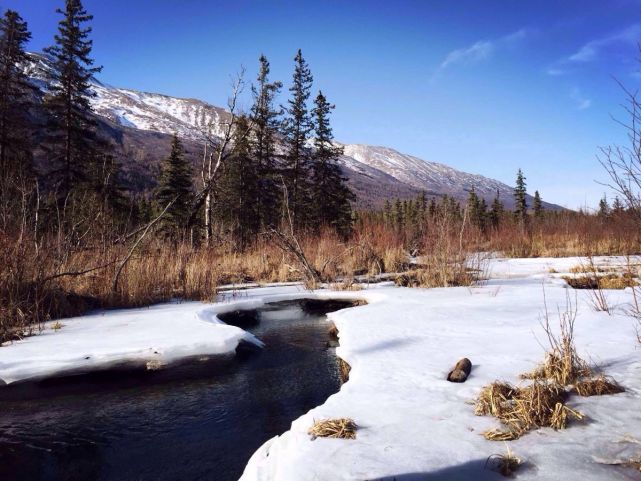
(542, 403)
(343, 370)
(562, 363)
(343, 428)
(598, 386)
(506, 464)
(520, 409)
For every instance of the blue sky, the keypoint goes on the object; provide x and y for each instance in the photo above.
(486, 87)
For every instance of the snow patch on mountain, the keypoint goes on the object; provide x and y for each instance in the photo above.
(193, 119)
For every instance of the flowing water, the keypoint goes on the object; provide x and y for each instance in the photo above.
(199, 420)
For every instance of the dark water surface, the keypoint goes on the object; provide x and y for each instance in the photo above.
(201, 420)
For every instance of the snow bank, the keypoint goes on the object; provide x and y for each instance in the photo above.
(158, 335)
(153, 336)
(414, 425)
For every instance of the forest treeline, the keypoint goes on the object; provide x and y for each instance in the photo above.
(268, 202)
(266, 160)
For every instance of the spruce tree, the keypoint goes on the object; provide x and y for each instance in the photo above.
(388, 213)
(604, 208)
(496, 211)
(239, 198)
(520, 202)
(296, 130)
(175, 186)
(71, 141)
(265, 123)
(15, 131)
(330, 195)
(432, 208)
(422, 205)
(537, 205)
(473, 208)
(617, 207)
(398, 214)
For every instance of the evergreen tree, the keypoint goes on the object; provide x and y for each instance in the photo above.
(474, 209)
(175, 186)
(330, 195)
(240, 189)
(422, 205)
(617, 206)
(432, 208)
(15, 132)
(520, 202)
(398, 214)
(537, 205)
(71, 139)
(496, 211)
(388, 216)
(482, 215)
(604, 208)
(264, 120)
(296, 130)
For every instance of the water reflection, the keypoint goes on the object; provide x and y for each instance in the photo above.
(198, 421)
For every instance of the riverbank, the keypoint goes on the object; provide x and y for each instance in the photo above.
(415, 425)
(412, 423)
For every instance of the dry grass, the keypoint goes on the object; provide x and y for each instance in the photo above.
(608, 281)
(493, 398)
(598, 386)
(562, 364)
(347, 284)
(333, 332)
(452, 275)
(343, 428)
(395, 259)
(542, 403)
(343, 370)
(57, 326)
(520, 409)
(506, 464)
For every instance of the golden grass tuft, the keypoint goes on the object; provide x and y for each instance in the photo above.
(598, 386)
(343, 370)
(343, 428)
(520, 409)
(57, 326)
(493, 397)
(609, 281)
(506, 464)
(617, 282)
(562, 366)
(501, 435)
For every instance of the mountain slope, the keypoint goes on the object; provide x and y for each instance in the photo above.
(140, 121)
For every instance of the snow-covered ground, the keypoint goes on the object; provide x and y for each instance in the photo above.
(152, 336)
(413, 424)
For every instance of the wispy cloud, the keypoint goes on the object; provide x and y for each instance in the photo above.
(469, 55)
(481, 50)
(581, 102)
(592, 50)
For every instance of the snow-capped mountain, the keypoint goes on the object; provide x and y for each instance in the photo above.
(422, 174)
(375, 173)
(189, 118)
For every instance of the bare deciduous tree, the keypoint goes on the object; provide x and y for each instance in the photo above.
(216, 151)
(623, 163)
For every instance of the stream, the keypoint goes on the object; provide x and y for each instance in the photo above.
(198, 420)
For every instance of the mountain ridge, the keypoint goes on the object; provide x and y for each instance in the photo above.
(375, 173)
